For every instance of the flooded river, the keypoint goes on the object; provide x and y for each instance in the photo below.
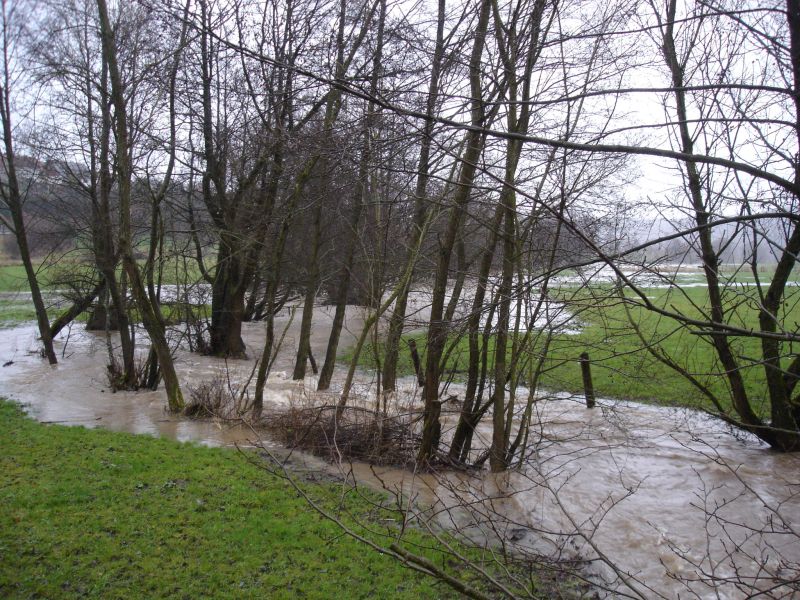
(659, 503)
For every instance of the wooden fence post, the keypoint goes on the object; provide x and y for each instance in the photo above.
(586, 371)
(412, 346)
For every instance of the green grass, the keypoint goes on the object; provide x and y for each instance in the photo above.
(13, 278)
(109, 515)
(15, 311)
(621, 367)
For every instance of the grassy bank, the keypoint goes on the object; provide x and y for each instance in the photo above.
(109, 515)
(624, 368)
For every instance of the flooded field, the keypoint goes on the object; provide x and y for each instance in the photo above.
(658, 502)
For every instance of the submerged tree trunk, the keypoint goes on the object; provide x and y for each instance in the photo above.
(78, 307)
(784, 411)
(783, 432)
(701, 215)
(105, 251)
(499, 447)
(333, 105)
(227, 304)
(397, 320)
(513, 51)
(462, 437)
(14, 202)
(312, 283)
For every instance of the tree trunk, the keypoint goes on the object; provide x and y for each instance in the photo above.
(13, 197)
(103, 234)
(312, 283)
(499, 447)
(227, 302)
(355, 218)
(708, 254)
(396, 322)
(150, 318)
(79, 306)
(438, 329)
(459, 447)
(784, 413)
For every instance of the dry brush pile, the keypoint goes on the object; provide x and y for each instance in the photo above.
(349, 433)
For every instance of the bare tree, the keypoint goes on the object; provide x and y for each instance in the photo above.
(151, 316)
(686, 41)
(361, 194)
(11, 190)
(437, 330)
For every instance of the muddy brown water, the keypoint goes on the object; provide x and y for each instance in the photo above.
(662, 503)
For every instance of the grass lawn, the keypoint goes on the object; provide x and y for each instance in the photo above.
(107, 515)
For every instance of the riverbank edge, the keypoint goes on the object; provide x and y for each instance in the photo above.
(103, 514)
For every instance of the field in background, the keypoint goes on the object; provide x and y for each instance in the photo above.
(622, 367)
